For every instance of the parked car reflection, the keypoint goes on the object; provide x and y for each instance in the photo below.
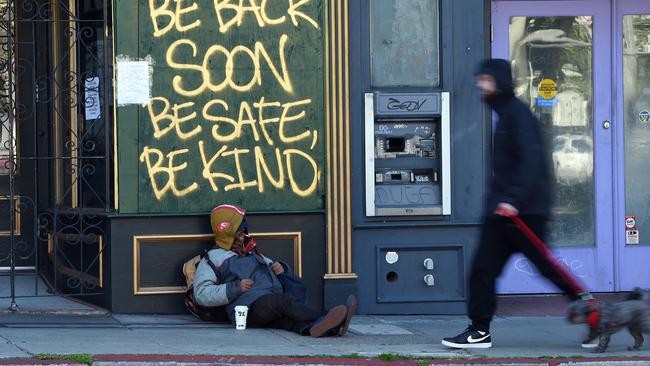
(573, 159)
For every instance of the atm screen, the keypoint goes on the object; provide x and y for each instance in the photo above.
(395, 144)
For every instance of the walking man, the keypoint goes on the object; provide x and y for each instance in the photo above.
(520, 186)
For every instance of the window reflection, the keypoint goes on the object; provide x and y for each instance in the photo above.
(404, 43)
(636, 91)
(552, 67)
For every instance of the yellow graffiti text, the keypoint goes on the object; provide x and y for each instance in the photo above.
(285, 118)
(260, 164)
(207, 167)
(228, 79)
(156, 168)
(294, 185)
(231, 13)
(247, 117)
(295, 14)
(285, 169)
(173, 17)
(173, 120)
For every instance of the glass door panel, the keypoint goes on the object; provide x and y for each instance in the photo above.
(633, 143)
(552, 68)
(561, 53)
(636, 106)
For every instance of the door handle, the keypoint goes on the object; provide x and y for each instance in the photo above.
(607, 124)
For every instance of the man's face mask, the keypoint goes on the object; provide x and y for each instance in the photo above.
(245, 243)
(248, 242)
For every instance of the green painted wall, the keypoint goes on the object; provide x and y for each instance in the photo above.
(236, 114)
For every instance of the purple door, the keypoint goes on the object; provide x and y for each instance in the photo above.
(562, 58)
(632, 143)
(584, 68)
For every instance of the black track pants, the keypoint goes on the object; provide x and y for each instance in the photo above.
(501, 238)
(283, 312)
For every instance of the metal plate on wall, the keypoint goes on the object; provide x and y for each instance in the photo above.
(409, 280)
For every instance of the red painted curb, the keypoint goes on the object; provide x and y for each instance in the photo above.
(272, 360)
(34, 361)
(279, 360)
(283, 360)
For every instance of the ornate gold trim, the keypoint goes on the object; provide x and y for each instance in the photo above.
(59, 78)
(115, 155)
(335, 126)
(337, 112)
(74, 120)
(138, 240)
(17, 215)
(101, 261)
(296, 236)
(348, 171)
(57, 104)
(340, 276)
(328, 149)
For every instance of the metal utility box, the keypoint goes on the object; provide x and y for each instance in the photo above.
(407, 148)
(419, 273)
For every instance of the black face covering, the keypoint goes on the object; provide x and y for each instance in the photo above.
(246, 246)
(502, 73)
(494, 100)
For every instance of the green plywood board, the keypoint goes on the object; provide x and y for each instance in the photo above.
(127, 117)
(184, 77)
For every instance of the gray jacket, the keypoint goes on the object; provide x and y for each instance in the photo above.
(210, 290)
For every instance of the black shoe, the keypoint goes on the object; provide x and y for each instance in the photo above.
(470, 338)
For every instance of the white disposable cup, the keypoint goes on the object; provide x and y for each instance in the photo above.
(241, 312)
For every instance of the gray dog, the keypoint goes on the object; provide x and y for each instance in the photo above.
(607, 319)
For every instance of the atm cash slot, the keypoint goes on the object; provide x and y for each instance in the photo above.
(405, 163)
(406, 176)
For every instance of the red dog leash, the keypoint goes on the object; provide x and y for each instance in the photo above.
(539, 244)
(594, 316)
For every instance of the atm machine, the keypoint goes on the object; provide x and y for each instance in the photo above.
(407, 162)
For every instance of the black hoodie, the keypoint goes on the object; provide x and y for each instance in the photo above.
(520, 170)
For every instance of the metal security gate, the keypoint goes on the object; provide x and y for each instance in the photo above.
(55, 146)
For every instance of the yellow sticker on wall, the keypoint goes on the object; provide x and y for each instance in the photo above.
(547, 88)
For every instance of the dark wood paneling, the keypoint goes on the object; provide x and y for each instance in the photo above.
(161, 259)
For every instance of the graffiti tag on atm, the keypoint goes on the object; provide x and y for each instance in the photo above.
(406, 195)
(407, 105)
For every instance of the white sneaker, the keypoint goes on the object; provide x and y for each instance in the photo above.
(590, 343)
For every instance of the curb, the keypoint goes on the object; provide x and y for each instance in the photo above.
(183, 360)
(78, 312)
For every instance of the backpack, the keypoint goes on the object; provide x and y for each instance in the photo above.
(205, 313)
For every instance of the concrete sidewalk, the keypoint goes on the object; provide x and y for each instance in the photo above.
(114, 338)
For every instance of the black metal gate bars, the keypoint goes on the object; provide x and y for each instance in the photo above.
(56, 115)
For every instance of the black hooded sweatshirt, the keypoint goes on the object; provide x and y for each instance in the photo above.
(520, 170)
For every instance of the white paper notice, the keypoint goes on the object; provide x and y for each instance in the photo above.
(133, 82)
(91, 98)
